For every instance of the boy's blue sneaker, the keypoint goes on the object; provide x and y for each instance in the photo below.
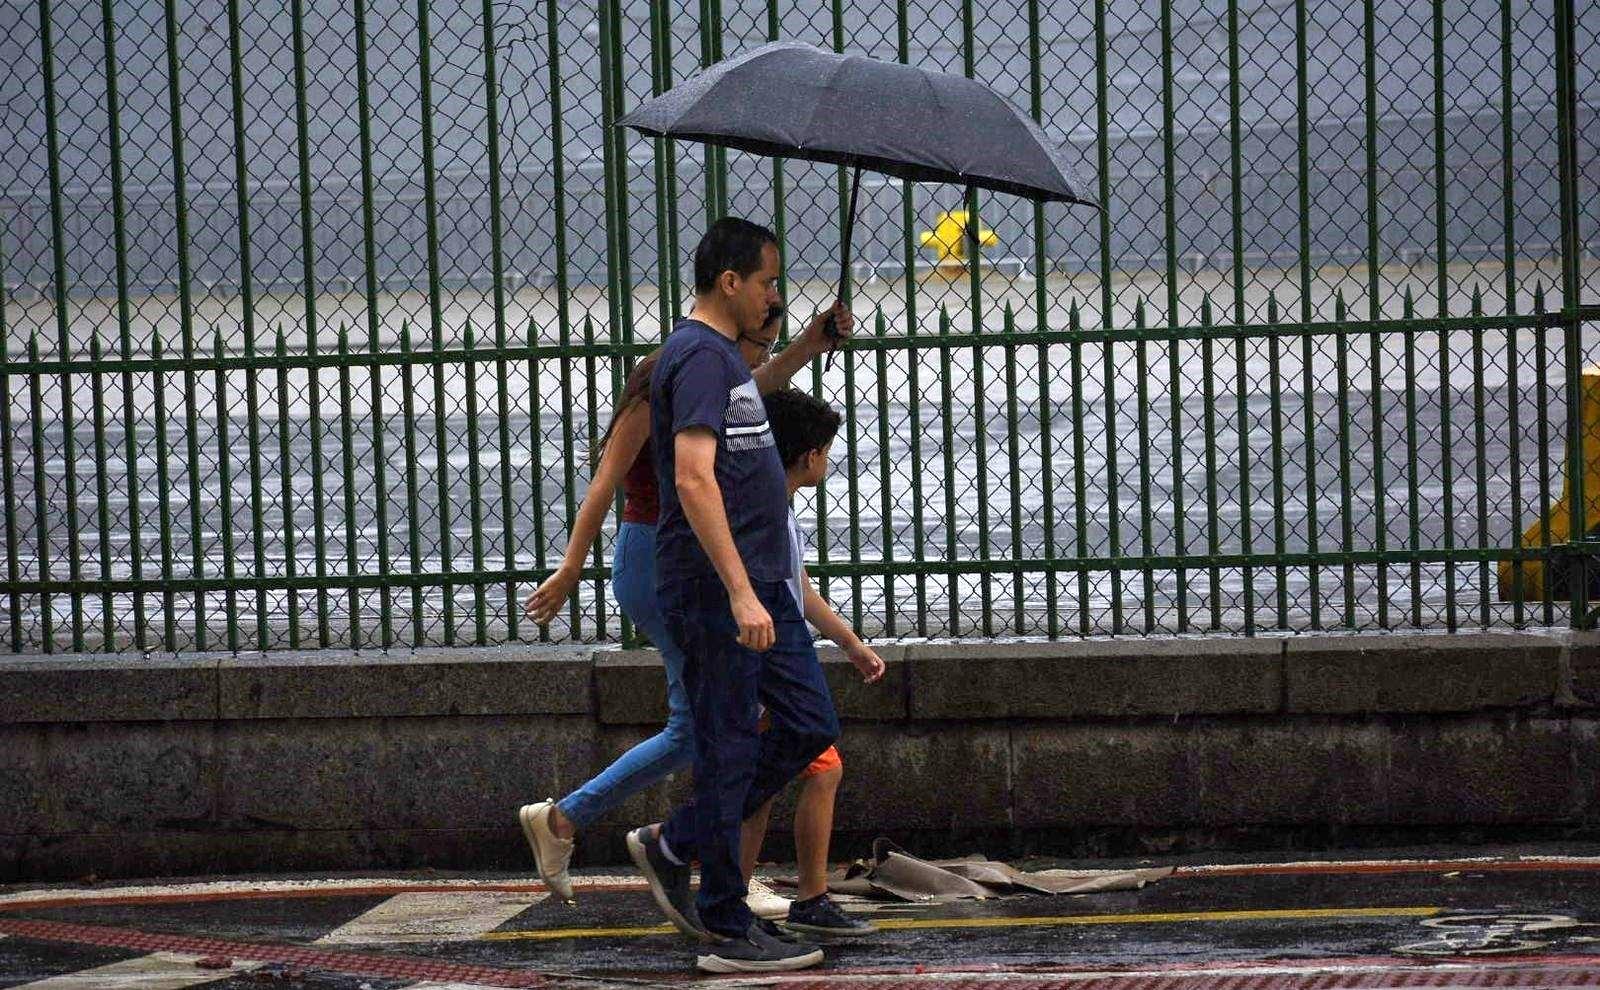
(758, 951)
(820, 916)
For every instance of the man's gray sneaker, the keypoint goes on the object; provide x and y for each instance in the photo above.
(669, 883)
(822, 917)
(757, 952)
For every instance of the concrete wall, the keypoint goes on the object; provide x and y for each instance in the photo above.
(122, 766)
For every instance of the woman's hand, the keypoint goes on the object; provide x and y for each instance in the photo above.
(867, 662)
(548, 598)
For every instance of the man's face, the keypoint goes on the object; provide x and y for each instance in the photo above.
(754, 295)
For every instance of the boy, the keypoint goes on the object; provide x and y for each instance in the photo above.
(804, 428)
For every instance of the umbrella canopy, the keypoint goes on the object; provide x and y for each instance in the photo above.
(792, 100)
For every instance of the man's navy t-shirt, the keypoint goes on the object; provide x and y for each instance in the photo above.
(701, 380)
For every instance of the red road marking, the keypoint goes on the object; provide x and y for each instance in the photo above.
(114, 899)
(1442, 866)
(1373, 974)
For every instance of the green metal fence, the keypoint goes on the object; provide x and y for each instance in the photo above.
(313, 313)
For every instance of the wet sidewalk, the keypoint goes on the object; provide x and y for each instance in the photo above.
(1443, 918)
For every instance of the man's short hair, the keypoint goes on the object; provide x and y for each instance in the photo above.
(730, 245)
(800, 423)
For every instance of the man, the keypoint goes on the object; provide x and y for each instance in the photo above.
(722, 563)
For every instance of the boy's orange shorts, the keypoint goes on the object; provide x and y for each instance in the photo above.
(829, 760)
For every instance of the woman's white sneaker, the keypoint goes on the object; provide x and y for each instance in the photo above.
(764, 902)
(551, 853)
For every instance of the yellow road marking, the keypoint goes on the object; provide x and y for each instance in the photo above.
(893, 924)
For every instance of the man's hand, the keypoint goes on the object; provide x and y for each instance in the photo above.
(755, 625)
(868, 662)
(815, 338)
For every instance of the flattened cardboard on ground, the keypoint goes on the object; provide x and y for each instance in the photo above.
(895, 874)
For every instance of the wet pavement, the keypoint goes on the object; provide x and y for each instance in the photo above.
(1526, 916)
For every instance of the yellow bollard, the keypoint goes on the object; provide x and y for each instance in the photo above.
(948, 239)
(1560, 515)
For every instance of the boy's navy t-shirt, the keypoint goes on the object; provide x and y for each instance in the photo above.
(701, 380)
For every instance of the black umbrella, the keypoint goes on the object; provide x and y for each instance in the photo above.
(794, 100)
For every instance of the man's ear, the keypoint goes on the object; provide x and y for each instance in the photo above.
(728, 282)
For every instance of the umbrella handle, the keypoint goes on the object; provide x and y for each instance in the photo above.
(830, 329)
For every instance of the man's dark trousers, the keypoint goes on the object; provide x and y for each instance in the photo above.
(736, 766)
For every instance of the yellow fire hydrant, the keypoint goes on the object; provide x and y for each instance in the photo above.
(948, 239)
(1560, 513)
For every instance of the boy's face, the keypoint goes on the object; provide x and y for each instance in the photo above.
(813, 466)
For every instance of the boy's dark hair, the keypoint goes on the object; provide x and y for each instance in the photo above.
(800, 423)
(730, 245)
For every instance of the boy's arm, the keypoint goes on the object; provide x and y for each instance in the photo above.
(828, 622)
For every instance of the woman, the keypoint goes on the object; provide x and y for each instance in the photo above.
(626, 458)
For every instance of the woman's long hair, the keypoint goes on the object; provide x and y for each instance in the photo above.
(636, 391)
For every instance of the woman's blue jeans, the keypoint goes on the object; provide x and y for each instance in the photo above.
(670, 750)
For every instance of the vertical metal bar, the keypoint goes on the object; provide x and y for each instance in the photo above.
(618, 282)
(853, 491)
(241, 188)
(1508, 179)
(671, 147)
(948, 440)
(591, 400)
(1209, 399)
(7, 468)
(719, 155)
(1279, 522)
(408, 412)
(536, 464)
(1313, 490)
(380, 459)
(491, 89)
(225, 497)
(169, 626)
(780, 219)
(558, 172)
(609, 150)
(1042, 324)
(309, 276)
(980, 417)
(666, 259)
(1571, 247)
(619, 139)
(1103, 143)
(1541, 373)
(1079, 468)
(348, 446)
(124, 317)
(102, 491)
(1369, 34)
(40, 498)
(1175, 401)
(1347, 533)
(885, 503)
(1014, 454)
(1413, 496)
(1236, 201)
(286, 476)
(436, 317)
(58, 251)
(1446, 450)
(569, 476)
(712, 207)
(913, 362)
(474, 486)
(1480, 441)
(1141, 376)
(1246, 528)
(919, 533)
